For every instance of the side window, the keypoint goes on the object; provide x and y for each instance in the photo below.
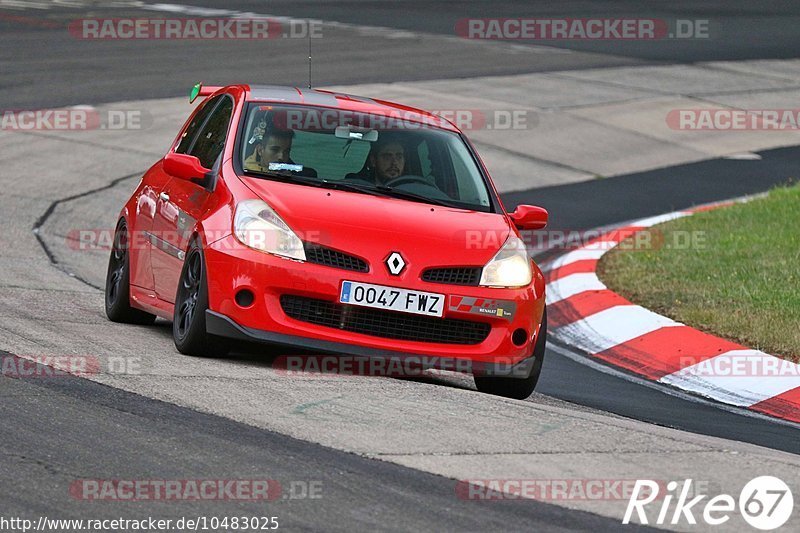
(194, 126)
(211, 140)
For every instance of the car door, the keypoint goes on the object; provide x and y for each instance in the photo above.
(182, 202)
(153, 182)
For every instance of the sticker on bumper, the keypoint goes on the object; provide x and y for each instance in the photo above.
(483, 306)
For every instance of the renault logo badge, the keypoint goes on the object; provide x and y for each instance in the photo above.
(395, 263)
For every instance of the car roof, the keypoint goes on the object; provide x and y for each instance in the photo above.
(344, 102)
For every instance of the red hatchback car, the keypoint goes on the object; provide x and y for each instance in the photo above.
(334, 224)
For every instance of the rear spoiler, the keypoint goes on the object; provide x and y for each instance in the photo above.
(202, 90)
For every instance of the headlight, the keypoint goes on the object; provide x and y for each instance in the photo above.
(510, 267)
(258, 226)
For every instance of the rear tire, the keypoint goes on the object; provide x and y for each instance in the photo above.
(118, 283)
(515, 387)
(191, 303)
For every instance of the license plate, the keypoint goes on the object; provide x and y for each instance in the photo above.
(392, 298)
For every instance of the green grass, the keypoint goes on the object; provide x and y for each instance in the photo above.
(740, 279)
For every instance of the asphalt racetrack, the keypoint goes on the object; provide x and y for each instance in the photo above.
(387, 453)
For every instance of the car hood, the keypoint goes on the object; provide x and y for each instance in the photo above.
(373, 226)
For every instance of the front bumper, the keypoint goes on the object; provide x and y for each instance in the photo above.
(232, 267)
(222, 326)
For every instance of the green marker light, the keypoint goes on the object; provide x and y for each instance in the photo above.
(194, 92)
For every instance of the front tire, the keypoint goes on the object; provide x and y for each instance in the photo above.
(118, 282)
(191, 303)
(517, 388)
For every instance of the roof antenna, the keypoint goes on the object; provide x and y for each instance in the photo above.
(308, 29)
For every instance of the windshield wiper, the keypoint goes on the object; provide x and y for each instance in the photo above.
(287, 177)
(353, 187)
(379, 190)
(318, 182)
(406, 195)
(389, 192)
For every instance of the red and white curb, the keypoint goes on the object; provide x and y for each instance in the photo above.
(584, 313)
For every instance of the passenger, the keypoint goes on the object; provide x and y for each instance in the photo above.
(275, 147)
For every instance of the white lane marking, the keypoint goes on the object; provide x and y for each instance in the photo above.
(23, 4)
(72, 4)
(663, 388)
(741, 392)
(745, 156)
(571, 285)
(652, 221)
(738, 377)
(606, 243)
(611, 327)
(191, 10)
(571, 257)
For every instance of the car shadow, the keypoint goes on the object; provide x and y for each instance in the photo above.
(276, 357)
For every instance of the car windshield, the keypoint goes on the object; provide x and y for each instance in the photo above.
(372, 154)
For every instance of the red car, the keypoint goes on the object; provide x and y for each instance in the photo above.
(334, 224)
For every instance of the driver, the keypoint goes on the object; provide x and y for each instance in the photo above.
(388, 161)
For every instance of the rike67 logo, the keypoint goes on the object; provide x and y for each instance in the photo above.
(765, 503)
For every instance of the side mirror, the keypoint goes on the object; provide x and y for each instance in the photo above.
(529, 217)
(184, 166)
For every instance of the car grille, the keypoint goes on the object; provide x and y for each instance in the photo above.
(334, 258)
(380, 323)
(453, 276)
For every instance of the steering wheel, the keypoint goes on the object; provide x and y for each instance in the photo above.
(408, 179)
